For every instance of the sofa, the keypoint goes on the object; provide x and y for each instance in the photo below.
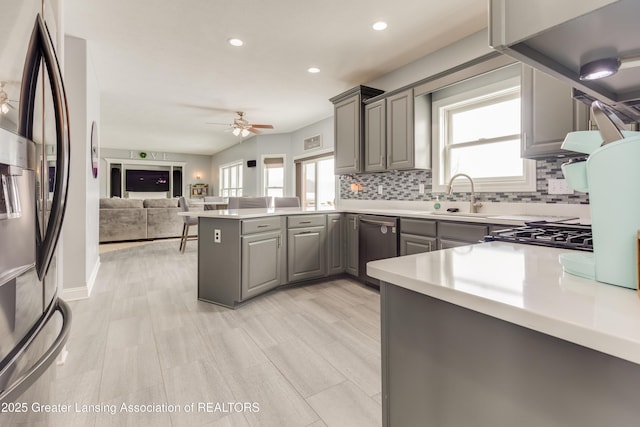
(136, 219)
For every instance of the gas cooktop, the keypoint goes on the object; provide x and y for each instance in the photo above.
(553, 234)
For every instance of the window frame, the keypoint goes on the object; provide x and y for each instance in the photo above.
(263, 173)
(468, 99)
(302, 190)
(239, 178)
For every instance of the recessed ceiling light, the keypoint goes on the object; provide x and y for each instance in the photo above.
(379, 26)
(313, 70)
(235, 42)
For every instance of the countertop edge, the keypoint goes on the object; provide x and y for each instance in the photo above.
(400, 213)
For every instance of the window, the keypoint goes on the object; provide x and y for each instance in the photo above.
(317, 183)
(273, 177)
(231, 180)
(477, 132)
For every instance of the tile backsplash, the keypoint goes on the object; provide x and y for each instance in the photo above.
(403, 185)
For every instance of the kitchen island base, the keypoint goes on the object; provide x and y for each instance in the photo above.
(444, 365)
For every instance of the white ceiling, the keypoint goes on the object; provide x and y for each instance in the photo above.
(165, 68)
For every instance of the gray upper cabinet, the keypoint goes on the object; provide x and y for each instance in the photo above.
(512, 21)
(558, 37)
(375, 136)
(348, 151)
(400, 137)
(349, 130)
(548, 113)
(398, 132)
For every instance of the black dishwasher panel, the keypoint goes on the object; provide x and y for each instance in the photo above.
(378, 238)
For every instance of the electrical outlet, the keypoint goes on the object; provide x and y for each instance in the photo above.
(421, 188)
(217, 236)
(559, 186)
(380, 189)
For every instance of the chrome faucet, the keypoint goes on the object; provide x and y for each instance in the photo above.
(473, 204)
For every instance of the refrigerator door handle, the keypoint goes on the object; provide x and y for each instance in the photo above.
(41, 49)
(13, 391)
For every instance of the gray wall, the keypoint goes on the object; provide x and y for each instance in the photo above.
(288, 144)
(80, 231)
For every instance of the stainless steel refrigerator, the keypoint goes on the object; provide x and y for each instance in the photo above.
(34, 173)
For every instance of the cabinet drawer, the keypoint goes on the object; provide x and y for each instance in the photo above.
(418, 227)
(471, 233)
(305, 221)
(260, 224)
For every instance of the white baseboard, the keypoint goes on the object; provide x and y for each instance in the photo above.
(82, 292)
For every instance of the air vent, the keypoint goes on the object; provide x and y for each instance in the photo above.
(313, 142)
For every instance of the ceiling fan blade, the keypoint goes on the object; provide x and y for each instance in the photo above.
(216, 123)
(254, 130)
(262, 126)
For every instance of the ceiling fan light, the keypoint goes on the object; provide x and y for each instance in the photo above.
(236, 131)
(4, 108)
(245, 132)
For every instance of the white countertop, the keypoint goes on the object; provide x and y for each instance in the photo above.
(495, 218)
(524, 285)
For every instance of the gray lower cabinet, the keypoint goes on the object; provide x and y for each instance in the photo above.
(306, 250)
(261, 254)
(417, 236)
(351, 252)
(238, 260)
(447, 366)
(452, 234)
(548, 113)
(335, 244)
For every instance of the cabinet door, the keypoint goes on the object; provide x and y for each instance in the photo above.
(412, 244)
(352, 253)
(375, 137)
(548, 113)
(335, 244)
(348, 147)
(448, 243)
(261, 255)
(306, 253)
(400, 135)
(453, 234)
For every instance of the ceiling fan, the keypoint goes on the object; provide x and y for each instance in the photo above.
(241, 127)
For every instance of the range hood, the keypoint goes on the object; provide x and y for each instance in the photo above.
(559, 37)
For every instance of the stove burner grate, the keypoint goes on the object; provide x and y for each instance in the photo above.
(557, 235)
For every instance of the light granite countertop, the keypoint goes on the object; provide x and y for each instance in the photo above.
(524, 285)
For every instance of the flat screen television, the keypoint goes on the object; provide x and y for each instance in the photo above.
(146, 180)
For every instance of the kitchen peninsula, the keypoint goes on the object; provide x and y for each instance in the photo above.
(244, 253)
(495, 334)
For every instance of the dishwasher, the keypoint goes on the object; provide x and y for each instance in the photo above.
(378, 238)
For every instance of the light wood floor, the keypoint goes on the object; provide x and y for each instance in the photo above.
(307, 356)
